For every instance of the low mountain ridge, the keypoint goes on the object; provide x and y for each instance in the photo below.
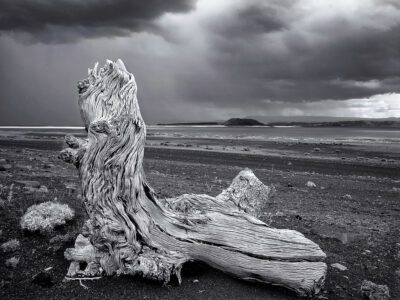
(242, 122)
(230, 122)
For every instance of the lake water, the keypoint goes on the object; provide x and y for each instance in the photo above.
(289, 134)
(260, 133)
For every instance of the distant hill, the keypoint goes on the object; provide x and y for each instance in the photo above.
(320, 122)
(242, 122)
(230, 122)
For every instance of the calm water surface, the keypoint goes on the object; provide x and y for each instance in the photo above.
(301, 134)
(262, 133)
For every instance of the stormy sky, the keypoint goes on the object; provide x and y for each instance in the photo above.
(203, 60)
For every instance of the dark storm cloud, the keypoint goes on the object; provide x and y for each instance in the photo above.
(205, 61)
(248, 21)
(291, 57)
(68, 20)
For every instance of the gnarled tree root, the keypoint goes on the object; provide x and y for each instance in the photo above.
(130, 231)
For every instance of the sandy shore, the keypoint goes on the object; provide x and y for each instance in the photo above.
(353, 212)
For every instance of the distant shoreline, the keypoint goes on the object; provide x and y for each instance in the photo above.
(230, 122)
(237, 122)
(355, 124)
(346, 124)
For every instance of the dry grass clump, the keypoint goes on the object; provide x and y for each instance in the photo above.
(10, 246)
(12, 262)
(45, 216)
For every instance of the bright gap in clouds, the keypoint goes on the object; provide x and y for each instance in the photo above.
(377, 106)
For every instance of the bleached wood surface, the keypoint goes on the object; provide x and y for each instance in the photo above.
(130, 231)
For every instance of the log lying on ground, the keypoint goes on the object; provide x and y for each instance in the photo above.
(130, 231)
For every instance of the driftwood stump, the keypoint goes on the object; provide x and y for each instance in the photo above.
(130, 231)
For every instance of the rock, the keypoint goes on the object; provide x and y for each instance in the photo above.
(289, 163)
(398, 273)
(195, 281)
(338, 266)
(5, 167)
(10, 246)
(71, 187)
(4, 283)
(29, 183)
(42, 189)
(23, 167)
(48, 166)
(374, 291)
(311, 184)
(62, 239)
(43, 279)
(12, 262)
(347, 197)
(344, 238)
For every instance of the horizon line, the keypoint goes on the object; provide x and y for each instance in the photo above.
(42, 127)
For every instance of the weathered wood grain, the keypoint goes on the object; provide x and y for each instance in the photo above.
(130, 231)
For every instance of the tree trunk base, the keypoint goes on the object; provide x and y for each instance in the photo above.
(130, 231)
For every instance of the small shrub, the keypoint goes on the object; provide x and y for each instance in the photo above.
(347, 197)
(12, 262)
(45, 216)
(10, 246)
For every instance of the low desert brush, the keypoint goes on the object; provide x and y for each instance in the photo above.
(45, 216)
(12, 262)
(10, 246)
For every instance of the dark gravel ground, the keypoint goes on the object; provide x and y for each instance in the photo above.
(361, 233)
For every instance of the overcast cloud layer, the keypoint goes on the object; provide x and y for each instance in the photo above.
(204, 60)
